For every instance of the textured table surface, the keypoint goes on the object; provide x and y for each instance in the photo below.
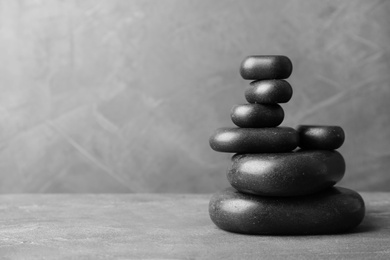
(155, 226)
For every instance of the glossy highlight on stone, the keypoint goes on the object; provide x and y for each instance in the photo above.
(260, 67)
(335, 210)
(254, 140)
(286, 174)
(269, 91)
(320, 137)
(257, 115)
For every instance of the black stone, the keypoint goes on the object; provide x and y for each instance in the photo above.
(269, 91)
(320, 137)
(254, 140)
(266, 67)
(334, 210)
(257, 115)
(286, 174)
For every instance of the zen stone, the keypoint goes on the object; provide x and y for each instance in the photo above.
(269, 91)
(254, 140)
(266, 67)
(335, 210)
(286, 174)
(257, 115)
(320, 137)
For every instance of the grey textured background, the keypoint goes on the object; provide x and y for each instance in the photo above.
(121, 96)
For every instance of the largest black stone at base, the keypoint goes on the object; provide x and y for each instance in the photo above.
(335, 210)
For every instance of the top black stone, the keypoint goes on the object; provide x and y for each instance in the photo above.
(266, 67)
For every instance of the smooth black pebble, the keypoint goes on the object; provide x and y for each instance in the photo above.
(286, 174)
(254, 140)
(335, 210)
(257, 115)
(320, 137)
(259, 67)
(269, 91)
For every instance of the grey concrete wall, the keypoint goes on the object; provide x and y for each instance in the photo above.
(121, 96)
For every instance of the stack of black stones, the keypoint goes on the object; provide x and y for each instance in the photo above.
(277, 190)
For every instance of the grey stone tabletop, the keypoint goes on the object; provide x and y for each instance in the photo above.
(165, 226)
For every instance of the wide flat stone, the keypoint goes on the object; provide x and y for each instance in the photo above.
(258, 67)
(269, 91)
(257, 115)
(254, 140)
(286, 174)
(320, 137)
(334, 210)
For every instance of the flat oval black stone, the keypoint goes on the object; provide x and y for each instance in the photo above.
(334, 210)
(254, 140)
(286, 174)
(269, 91)
(259, 67)
(320, 137)
(257, 115)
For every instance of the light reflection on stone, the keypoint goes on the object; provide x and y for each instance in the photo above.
(242, 110)
(256, 167)
(226, 137)
(237, 206)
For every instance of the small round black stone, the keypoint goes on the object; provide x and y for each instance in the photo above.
(254, 140)
(257, 115)
(266, 67)
(286, 174)
(335, 210)
(269, 91)
(320, 137)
